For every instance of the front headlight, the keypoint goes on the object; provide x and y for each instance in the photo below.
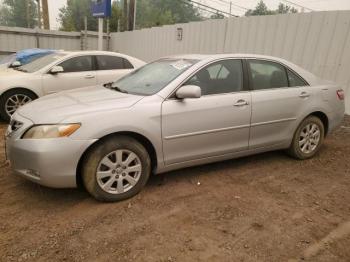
(50, 131)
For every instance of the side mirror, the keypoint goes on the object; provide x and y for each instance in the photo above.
(189, 91)
(15, 64)
(56, 69)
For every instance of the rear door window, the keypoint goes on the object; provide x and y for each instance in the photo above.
(105, 62)
(267, 75)
(295, 80)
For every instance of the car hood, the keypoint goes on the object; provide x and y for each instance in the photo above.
(9, 72)
(57, 107)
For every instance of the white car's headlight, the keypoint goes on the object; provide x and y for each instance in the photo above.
(50, 131)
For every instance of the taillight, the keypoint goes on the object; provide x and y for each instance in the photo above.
(340, 94)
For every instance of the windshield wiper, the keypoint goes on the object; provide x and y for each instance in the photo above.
(118, 89)
(20, 69)
(110, 86)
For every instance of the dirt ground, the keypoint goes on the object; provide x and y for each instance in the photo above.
(267, 207)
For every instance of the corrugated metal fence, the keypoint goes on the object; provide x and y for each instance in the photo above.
(13, 39)
(318, 41)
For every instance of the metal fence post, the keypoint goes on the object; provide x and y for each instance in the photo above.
(37, 37)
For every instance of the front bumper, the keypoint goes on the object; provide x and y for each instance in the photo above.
(49, 162)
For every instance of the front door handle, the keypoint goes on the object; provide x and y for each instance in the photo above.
(89, 76)
(241, 102)
(304, 94)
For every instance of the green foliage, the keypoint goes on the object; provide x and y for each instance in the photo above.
(116, 17)
(19, 13)
(149, 13)
(72, 16)
(217, 16)
(162, 12)
(285, 9)
(261, 9)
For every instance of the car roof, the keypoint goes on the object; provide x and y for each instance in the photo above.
(218, 56)
(90, 52)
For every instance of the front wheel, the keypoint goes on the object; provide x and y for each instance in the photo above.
(307, 139)
(12, 100)
(116, 169)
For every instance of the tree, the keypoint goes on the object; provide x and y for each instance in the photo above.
(73, 14)
(261, 9)
(217, 16)
(162, 12)
(285, 9)
(19, 13)
(116, 18)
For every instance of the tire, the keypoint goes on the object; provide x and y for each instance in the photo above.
(8, 101)
(107, 178)
(305, 134)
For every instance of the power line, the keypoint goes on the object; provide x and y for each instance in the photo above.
(224, 2)
(231, 3)
(207, 6)
(203, 9)
(292, 3)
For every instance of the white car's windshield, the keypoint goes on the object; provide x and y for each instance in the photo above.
(40, 62)
(153, 77)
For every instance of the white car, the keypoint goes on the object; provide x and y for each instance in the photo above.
(58, 72)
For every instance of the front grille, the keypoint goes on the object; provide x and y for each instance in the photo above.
(15, 125)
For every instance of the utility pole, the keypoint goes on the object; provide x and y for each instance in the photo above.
(131, 15)
(46, 15)
(100, 34)
(39, 14)
(108, 34)
(230, 8)
(135, 6)
(28, 13)
(125, 14)
(85, 34)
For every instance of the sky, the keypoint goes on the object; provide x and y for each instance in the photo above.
(316, 5)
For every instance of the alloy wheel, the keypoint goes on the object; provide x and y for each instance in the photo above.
(16, 101)
(309, 138)
(119, 171)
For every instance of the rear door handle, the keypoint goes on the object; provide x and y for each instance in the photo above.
(241, 102)
(89, 76)
(304, 94)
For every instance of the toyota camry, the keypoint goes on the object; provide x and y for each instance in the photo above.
(172, 113)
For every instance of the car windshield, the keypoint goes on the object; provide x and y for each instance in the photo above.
(152, 77)
(8, 59)
(40, 62)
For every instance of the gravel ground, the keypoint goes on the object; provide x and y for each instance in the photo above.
(267, 207)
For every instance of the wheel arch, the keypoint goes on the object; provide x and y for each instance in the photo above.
(19, 88)
(324, 119)
(137, 136)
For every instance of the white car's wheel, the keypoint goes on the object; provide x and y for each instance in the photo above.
(12, 100)
(308, 138)
(116, 169)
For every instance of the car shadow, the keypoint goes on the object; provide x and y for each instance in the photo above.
(190, 173)
(73, 196)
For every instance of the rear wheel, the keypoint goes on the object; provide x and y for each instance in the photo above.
(12, 100)
(308, 138)
(116, 169)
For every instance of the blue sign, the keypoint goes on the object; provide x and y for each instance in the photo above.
(101, 8)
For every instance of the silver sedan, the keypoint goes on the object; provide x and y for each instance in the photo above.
(172, 113)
